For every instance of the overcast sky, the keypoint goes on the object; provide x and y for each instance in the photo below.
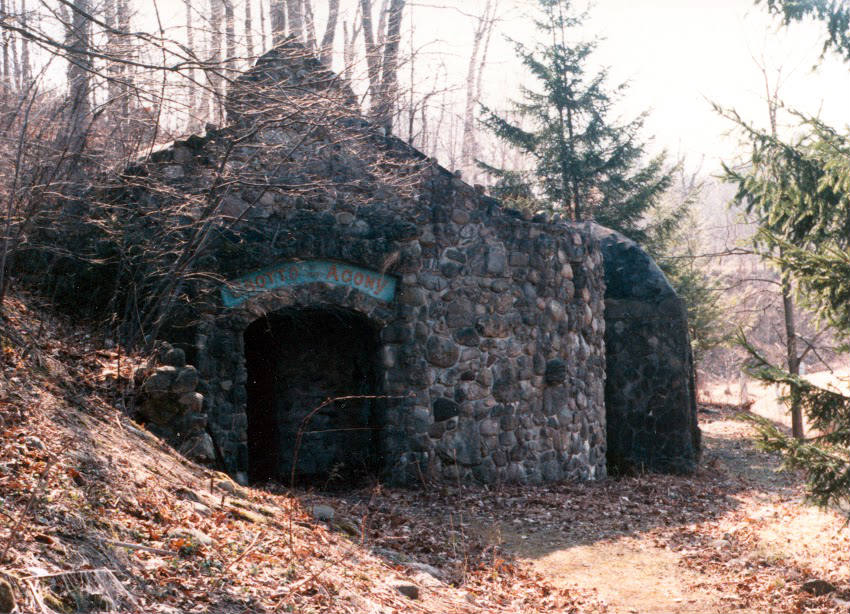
(679, 55)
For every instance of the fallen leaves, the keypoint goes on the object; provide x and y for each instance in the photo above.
(177, 537)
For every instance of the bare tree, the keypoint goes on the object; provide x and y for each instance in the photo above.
(417, 105)
(295, 15)
(249, 29)
(16, 63)
(792, 358)
(26, 66)
(230, 37)
(477, 62)
(380, 33)
(388, 89)
(349, 50)
(4, 43)
(263, 39)
(310, 26)
(277, 21)
(79, 80)
(125, 68)
(382, 59)
(113, 68)
(372, 52)
(326, 48)
(214, 71)
(190, 44)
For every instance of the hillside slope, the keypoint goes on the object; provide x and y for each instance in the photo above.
(99, 515)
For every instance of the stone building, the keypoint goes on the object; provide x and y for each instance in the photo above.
(649, 382)
(470, 337)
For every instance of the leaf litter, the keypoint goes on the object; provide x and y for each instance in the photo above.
(97, 514)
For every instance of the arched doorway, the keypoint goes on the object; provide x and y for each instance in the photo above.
(297, 359)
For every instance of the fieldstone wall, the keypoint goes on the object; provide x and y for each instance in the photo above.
(491, 346)
(171, 407)
(649, 388)
(494, 339)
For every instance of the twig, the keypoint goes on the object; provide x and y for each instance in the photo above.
(244, 553)
(130, 546)
(38, 600)
(289, 589)
(69, 573)
(316, 410)
(14, 532)
(300, 434)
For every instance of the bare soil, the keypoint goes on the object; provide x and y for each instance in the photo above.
(759, 543)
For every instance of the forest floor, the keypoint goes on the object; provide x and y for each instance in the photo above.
(738, 538)
(96, 514)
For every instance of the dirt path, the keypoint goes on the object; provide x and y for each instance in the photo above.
(735, 537)
(761, 538)
(627, 575)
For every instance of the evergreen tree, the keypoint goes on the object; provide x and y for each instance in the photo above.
(678, 255)
(800, 189)
(834, 14)
(587, 166)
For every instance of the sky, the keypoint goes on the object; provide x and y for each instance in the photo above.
(681, 55)
(678, 56)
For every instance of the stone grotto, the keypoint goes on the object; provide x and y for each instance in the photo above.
(373, 316)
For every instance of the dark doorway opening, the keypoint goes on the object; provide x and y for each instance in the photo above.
(297, 359)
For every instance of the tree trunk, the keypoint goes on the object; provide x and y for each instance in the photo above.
(79, 81)
(277, 21)
(113, 70)
(569, 181)
(389, 71)
(480, 40)
(373, 67)
(190, 44)
(412, 107)
(791, 356)
(482, 64)
(381, 32)
(263, 39)
(349, 48)
(125, 75)
(4, 37)
(215, 68)
(296, 19)
(230, 38)
(249, 30)
(423, 115)
(327, 48)
(26, 66)
(310, 27)
(16, 63)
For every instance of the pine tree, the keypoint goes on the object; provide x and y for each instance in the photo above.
(587, 166)
(800, 189)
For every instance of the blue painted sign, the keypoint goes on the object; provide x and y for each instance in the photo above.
(296, 273)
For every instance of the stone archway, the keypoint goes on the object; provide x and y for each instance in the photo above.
(297, 358)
